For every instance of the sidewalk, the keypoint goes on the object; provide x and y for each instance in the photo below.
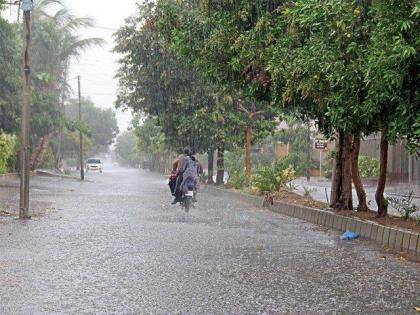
(10, 194)
(321, 190)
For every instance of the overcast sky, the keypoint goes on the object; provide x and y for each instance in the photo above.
(97, 66)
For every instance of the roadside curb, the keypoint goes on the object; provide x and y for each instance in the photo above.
(8, 176)
(49, 174)
(395, 238)
(13, 175)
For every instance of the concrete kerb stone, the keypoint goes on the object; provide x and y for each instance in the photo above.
(276, 207)
(339, 222)
(300, 213)
(282, 208)
(328, 219)
(366, 229)
(352, 225)
(319, 217)
(331, 220)
(373, 231)
(332, 217)
(324, 218)
(385, 235)
(379, 233)
(314, 215)
(358, 226)
(406, 240)
(345, 224)
(414, 243)
(391, 237)
(305, 215)
(399, 239)
(285, 209)
(309, 214)
(292, 210)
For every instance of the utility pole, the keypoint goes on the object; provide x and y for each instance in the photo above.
(308, 153)
(25, 149)
(82, 171)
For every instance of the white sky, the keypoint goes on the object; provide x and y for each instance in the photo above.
(97, 66)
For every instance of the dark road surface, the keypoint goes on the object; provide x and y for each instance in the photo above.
(114, 245)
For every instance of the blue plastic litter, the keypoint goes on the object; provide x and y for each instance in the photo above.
(349, 235)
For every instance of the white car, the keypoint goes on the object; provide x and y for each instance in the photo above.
(94, 165)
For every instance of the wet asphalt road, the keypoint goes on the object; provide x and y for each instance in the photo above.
(114, 245)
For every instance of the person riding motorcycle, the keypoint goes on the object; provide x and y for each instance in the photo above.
(187, 169)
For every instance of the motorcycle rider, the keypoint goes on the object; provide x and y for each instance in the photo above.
(187, 170)
(174, 173)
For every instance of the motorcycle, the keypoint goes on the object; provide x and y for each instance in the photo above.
(187, 199)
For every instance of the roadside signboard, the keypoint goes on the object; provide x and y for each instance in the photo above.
(321, 144)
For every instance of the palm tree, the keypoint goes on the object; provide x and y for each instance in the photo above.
(56, 43)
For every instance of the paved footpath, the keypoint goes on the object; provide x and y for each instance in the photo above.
(114, 245)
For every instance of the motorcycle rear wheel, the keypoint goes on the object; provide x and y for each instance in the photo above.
(187, 203)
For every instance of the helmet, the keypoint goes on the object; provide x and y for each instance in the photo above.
(187, 151)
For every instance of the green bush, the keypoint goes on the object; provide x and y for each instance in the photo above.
(8, 152)
(328, 165)
(235, 163)
(48, 160)
(328, 173)
(404, 205)
(273, 177)
(238, 181)
(368, 167)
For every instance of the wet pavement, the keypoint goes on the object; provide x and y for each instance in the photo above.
(114, 245)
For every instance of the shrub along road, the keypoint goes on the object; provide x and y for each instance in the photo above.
(114, 245)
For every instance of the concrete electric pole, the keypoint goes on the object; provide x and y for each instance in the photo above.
(26, 7)
(308, 153)
(82, 171)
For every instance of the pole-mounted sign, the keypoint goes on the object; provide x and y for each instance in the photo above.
(321, 145)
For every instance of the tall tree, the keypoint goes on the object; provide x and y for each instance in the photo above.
(10, 81)
(55, 42)
(102, 123)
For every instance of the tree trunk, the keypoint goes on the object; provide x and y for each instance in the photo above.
(361, 194)
(347, 176)
(210, 167)
(59, 154)
(39, 151)
(337, 184)
(220, 166)
(248, 152)
(379, 195)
